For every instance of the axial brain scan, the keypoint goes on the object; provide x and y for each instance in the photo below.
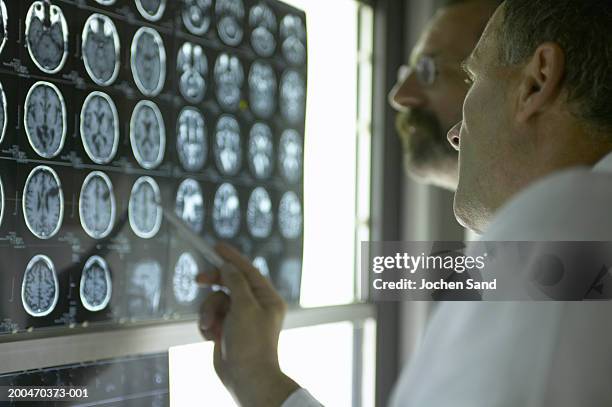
(152, 10)
(47, 36)
(293, 36)
(97, 205)
(264, 25)
(261, 154)
(192, 67)
(148, 61)
(144, 208)
(226, 211)
(227, 148)
(3, 113)
(230, 14)
(145, 286)
(190, 204)
(45, 119)
(191, 141)
(290, 216)
(183, 282)
(3, 25)
(229, 77)
(43, 202)
(147, 134)
(40, 288)
(197, 15)
(101, 49)
(292, 96)
(262, 89)
(99, 127)
(259, 213)
(96, 285)
(290, 155)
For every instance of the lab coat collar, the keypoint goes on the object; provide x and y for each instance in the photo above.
(604, 165)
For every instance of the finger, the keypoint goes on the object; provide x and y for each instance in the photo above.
(213, 309)
(208, 278)
(242, 294)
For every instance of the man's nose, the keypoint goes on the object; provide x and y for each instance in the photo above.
(406, 93)
(453, 136)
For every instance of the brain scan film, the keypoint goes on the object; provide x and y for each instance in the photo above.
(190, 204)
(290, 216)
(183, 282)
(293, 37)
(289, 277)
(259, 213)
(192, 68)
(3, 113)
(262, 89)
(3, 25)
(152, 10)
(226, 211)
(43, 202)
(290, 155)
(229, 77)
(40, 288)
(47, 36)
(100, 127)
(197, 15)
(97, 205)
(145, 286)
(148, 61)
(264, 26)
(227, 148)
(191, 139)
(45, 119)
(101, 49)
(261, 151)
(106, 2)
(292, 97)
(144, 208)
(261, 264)
(230, 16)
(148, 134)
(96, 286)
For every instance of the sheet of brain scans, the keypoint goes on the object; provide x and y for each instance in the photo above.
(113, 112)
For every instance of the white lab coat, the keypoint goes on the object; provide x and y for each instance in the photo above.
(528, 354)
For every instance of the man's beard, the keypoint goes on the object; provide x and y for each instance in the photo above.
(428, 156)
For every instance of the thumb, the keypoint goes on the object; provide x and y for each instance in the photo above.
(241, 293)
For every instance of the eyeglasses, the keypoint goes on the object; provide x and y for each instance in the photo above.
(425, 69)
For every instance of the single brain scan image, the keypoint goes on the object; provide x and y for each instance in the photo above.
(264, 26)
(226, 211)
(97, 205)
(96, 285)
(43, 202)
(152, 10)
(292, 97)
(293, 37)
(3, 25)
(262, 89)
(227, 148)
(229, 77)
(192, 67)
(148, 61)
(261, 264)
(190, 204)
(3, 113)
(144, 287)
(290, 155)
(100, 42)
(45, 119)
(259, 213)
(288, 281)
(144, 208)
(197, 15)
(183, 283)
(191, 139)
(290, 216)
(40, 288)
(47, 36)
(261, 151)
(100, 127)
(230, 16)
(148, 134)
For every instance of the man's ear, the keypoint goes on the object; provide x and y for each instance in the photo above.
(541, 80)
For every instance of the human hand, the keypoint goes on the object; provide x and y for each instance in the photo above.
(245, 329)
